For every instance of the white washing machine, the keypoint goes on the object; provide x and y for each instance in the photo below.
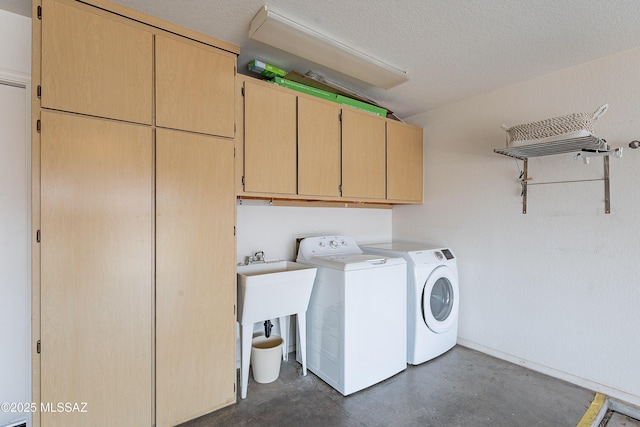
(356, 320)
(433, 297)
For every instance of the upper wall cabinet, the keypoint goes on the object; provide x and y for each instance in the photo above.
(95, 66)
(363, 155)
(318, 148)
(404, 162)
(194, 87)
(269, 140)
(296, 146)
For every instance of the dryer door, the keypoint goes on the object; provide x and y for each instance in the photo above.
(440, 299)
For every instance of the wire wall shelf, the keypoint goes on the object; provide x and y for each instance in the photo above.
(585, 147)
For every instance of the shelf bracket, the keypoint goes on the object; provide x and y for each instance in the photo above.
(607, 188)
(525, 179)
(607, 194)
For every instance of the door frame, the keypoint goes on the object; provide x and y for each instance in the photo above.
(23, 81)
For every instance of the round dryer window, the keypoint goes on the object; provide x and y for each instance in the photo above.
(440, 300)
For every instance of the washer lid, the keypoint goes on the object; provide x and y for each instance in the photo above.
(347, 262)
(400, 246)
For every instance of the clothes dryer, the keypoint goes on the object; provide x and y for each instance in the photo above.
(432, 297)
(356, 320)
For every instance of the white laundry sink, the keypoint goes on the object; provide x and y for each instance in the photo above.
(273, 289)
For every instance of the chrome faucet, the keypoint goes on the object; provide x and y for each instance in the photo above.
(256, 258)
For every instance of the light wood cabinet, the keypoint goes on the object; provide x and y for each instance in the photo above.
(104, 66)
(195, 276)
(194, 87)
(318, 148)
(270, 153)
(295, 146)
(134, 278)
(97, 270)
(404, 162)
(95, 65)
(363, 155)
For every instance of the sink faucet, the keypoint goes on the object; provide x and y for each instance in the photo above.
(256, 258)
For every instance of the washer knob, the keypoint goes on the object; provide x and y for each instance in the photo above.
(333, 244)
(439, 255)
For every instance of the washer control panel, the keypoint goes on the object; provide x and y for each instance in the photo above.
(316, 246)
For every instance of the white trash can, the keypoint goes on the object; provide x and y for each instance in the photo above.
(266, 357)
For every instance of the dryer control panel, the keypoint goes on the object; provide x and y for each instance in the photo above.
(431, 256)
(447, 254)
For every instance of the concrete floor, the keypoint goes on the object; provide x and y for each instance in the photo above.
(460, 388)
(616, 419)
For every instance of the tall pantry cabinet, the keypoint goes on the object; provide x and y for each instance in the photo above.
(133, 216)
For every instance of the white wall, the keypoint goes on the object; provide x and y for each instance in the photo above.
(556, 289)
(274, 229)
(15, 44)
(15, 194)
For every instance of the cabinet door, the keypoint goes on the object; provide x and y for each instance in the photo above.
(194, 87)
(195, 276)
(404, 162)
(94, 63)
(270, 164)
(96, 264)
(318, 148)
(363, 155)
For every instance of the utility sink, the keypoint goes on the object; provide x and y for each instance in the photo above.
(271, 290)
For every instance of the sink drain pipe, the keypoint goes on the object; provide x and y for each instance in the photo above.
(267, 328)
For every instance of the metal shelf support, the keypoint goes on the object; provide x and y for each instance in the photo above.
(588, 146)
(607, 194)
(524, 185)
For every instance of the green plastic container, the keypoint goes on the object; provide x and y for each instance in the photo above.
(306, 89)
(265, 69)
(361, 105)
(309, 90)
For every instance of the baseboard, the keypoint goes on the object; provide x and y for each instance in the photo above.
(582, 382)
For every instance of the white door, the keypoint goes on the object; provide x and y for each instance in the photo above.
(15, 193)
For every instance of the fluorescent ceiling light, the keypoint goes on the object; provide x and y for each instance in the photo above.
(275, 30)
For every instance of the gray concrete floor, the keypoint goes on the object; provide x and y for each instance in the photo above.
(616, 419)
(463, 387)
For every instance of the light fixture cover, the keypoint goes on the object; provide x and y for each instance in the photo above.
(277, 31)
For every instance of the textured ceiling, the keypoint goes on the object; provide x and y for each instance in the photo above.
(452, 49)
(21, 7)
